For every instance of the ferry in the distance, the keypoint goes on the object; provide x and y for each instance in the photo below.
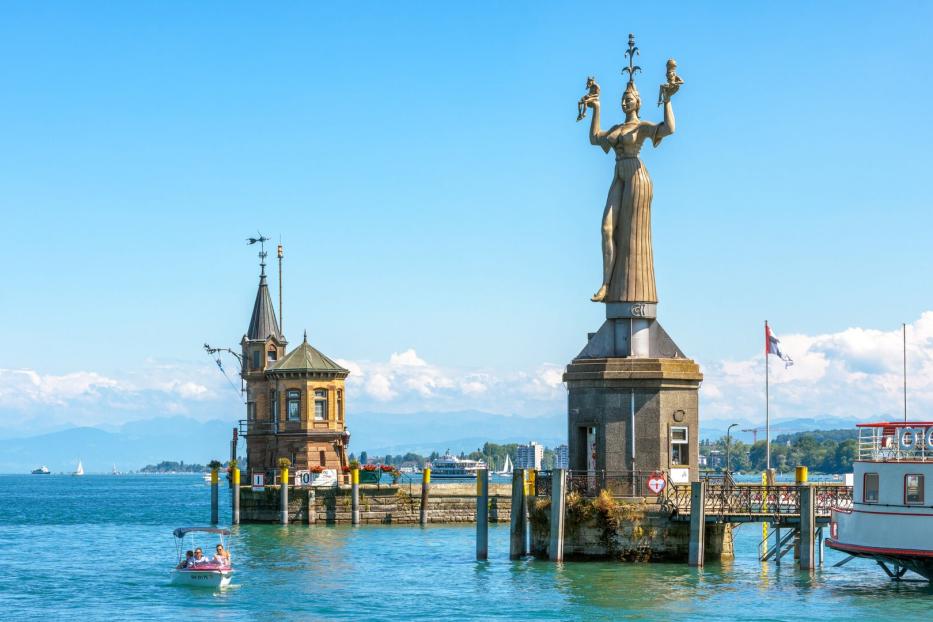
(452, 467)
(891, 517)
(42, 470)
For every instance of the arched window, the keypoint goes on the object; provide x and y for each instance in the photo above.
(293, 408)
(320, 405)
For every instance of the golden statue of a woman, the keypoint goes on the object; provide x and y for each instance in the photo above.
(628, 261)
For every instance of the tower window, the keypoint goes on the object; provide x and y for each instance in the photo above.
(680, 447)
(272, 356)
(256, 362)
(251, 411)
(320, 405)
(274, 405)
(339, 405)
(294, 406)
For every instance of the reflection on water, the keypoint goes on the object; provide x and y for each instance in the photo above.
(59, 539)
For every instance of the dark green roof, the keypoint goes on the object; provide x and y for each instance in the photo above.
(263, 323)
(307, 358)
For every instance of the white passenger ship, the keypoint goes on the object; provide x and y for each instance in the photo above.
(891, 518)
(452, 467)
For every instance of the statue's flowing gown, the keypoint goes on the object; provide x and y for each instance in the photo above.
(630, 199)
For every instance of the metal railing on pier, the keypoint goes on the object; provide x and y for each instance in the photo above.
(748, 502)
(591, 483)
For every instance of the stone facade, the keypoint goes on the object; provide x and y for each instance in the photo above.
(378, 504)
(295, 401)
(659, 394)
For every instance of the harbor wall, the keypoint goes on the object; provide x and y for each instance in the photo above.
(382, 504)
(626, 530)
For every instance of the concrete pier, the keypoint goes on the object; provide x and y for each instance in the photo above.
(807, 528)
(215, 515)
(697, 550)
(517, 521)
(482, 514)
(558, 498)
(425, 493)
(235, 496)
(355, 496)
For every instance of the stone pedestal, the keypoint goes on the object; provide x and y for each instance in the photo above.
(633, 402)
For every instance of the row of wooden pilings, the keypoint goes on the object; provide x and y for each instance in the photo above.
(283, 496)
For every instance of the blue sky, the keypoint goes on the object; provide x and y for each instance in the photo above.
(437, 201)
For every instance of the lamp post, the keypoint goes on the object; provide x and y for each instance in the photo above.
(729, 447)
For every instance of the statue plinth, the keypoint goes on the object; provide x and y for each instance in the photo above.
(634, 399)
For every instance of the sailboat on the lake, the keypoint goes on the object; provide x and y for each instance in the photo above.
(507, 467)
(80, 470)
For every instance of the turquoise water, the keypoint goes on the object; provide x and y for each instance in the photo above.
(100, 548)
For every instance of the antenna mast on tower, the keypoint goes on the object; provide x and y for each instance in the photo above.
(281, 317)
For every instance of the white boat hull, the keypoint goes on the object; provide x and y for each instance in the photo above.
(202, 578)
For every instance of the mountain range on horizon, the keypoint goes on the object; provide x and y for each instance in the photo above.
(135, 444)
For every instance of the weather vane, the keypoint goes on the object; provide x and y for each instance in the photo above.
(632, 52)
(262, 249)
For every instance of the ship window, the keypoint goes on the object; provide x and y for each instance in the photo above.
(680, 453)
(870, 488)
(913, 489)
(320, 405)
(294, 406)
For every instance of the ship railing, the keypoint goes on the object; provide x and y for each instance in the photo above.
(895, 442)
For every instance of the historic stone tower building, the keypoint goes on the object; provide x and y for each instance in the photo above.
(294, 402)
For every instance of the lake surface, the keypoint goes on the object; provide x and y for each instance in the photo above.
(100, 548)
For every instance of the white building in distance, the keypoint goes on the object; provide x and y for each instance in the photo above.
(562, 457)
(529, 456)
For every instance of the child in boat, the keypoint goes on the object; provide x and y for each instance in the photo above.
(222, 557)
(189, 555)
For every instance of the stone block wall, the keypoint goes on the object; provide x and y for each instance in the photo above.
(642, 532)
(378, 504)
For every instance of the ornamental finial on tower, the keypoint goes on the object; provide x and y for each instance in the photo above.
(632, 52)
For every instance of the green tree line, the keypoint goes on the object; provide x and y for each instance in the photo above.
(823, 451)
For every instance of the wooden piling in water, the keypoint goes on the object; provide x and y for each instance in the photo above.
(807, 527)
(425, 492)
(530, 477)
(558, 496)
(283, 497)
(215, 510)
(311, 516)
(235, 494)
(516, 520)
(697, 551)
(482, 514)
(355, 496)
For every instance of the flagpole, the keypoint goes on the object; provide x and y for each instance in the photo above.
(904, 329)
(767, 404)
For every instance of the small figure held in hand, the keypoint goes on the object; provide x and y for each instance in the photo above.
(673, 83)
(592, 94)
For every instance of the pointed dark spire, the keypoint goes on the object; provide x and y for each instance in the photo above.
(306, 335)
(263, 321)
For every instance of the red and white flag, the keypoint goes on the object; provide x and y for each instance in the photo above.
(772, 346)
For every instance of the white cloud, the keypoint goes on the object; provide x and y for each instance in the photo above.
(856, 373)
